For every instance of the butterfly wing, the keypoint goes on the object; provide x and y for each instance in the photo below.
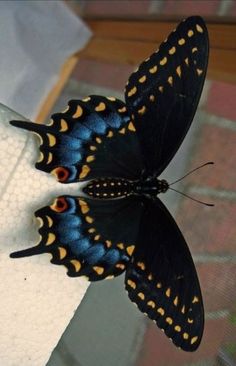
(162, 279)
(92, 238)
(93, 138)
(163, 94)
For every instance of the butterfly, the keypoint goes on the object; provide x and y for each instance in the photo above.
(118, 224)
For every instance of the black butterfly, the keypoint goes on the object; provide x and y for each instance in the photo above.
(121, 149)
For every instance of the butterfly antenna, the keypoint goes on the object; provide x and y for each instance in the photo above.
(191, 171)
(193, 199)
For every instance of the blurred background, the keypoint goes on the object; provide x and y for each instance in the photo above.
(107, 330)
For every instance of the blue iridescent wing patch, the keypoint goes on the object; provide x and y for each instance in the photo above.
(93, 138)
(120, 149)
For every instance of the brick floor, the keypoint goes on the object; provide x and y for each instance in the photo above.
(186, 7)
(221, 100)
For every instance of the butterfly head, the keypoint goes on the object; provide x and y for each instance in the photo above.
(162, 185)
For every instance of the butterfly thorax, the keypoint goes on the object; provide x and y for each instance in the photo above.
(107, 188)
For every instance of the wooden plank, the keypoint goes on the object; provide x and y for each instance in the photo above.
(221, 35)
(222, 64)
(50, 100)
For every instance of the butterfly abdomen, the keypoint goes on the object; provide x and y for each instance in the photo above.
(109, 188)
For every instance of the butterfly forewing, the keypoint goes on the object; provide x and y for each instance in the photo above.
(162, 279)
(163, 94)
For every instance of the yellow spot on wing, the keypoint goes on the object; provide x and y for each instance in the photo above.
(86, 99)
(194, 49)
(62, 252)
(51, 238)
(132, 91)
(50, 156)
(120, 266)
(98, 140)
(170, 80)
(161, 89)
(92, 148)
(141, 295)
(97, 237)
(186, 336)
(91, 230)
(130, 249)
(120, 246)
(98, 269)
(178, 71)
(90, 158)
(150, 277)
(108, 243)
(84, 171)
(112, 99)
(51, 139)
(186, 61)
(142, 79)
(199, 71)
(181, 41)
(168, 292)
(78, 113)
(76, 264)
(169, 320)
(152, 98)
(64, 125)
(195, 299)
(163, 61)
(177, 328)
(183, 310)
(159, 285)
(141, 265)
(190, 321)
(176, 300)
(131, 284)
(199, 28)
(194, 340)
(142, 110)
(100, 107)
(153, 69)
(110, 134)
(50, 221)
(89, 219)
(122, 110)
(172, 50)
(151, 304)
(41, 157)
(190, 33)
(122, 131)
(83, 206)
(161, 311)
(131, 127)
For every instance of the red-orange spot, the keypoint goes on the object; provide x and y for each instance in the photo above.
(61, 173)
(59, 205)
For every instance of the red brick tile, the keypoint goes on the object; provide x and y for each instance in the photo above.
(221, 100)
(216, 144)
(157, 350)
(186, 7)
(116, 8)
(109, 75)
(218, 285)
(232, 11)
(208, 229)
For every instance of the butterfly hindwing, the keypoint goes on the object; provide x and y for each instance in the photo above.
(163, 94)
(92, 238)
(93, 138)
(162, 279)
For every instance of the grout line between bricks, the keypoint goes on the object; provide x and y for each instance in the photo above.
(212, 119)
(214, 258)
(219, 314)
(212, 192)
